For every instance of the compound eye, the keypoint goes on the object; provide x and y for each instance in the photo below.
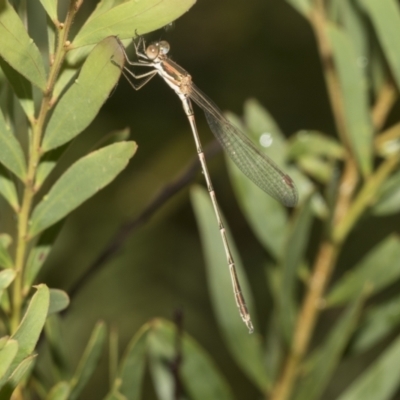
(152, 51)
(164, 47)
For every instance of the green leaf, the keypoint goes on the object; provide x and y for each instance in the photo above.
(162, 340)
(51, 8)
(133, 364)
(18, 49)
(258, 207)
(326, 358)
(302, 6)
(355, 98)
(385, 17)
(378, 269)
(377, 323)
(11, 154)
(8, 189)
(59, 301)
(245, 349)
(60, 391)
(89, 360)
(5, 258)
(129, 18)
(295, 248)
(80, 182)
(81, 103)
(7, 354)
(388, 197)
(6, 278)
(380, 381)
(32, 324)
(17, 376)
(21, 87)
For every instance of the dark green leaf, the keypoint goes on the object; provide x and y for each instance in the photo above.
(133, 365)
(11, 154)
(326, 358)
(5, 258)
(89, 360)
(381, 380)
(378, 269)
(245, 348)
(80, 182)
(385, 17)
(355, 98)
(126, 19)
(18, 49)
(388, 197)
(8, 189)
(81, 103)
(59, 301)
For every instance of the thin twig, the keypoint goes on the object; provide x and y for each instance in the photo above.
(129, 227)
(383, 105)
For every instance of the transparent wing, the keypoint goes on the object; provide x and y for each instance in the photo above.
(255, 165)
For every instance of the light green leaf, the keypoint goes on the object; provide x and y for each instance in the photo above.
(126, 19)
(296, 244)
(326, 358)
(60, 391)
(245, 349)
(388, 197)
(89, 360)
(81, 103)
(7, 354)
(21, 87)
(18, 49)
(378, 322)
(378, 269)
(133, 364)
(302, 6)
(385, 17)
(380, 381)
(59, 301)
(162, 340)
(80, 182)
(266, 216)
(32, 324)
(20, 373)
(355, 98)
(5, 258)
(8, 189)
(11, 154)
(6, 278)
(51, 8)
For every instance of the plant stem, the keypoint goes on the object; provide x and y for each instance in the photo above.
(33, 162)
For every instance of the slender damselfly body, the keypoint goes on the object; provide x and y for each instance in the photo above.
(255, 165)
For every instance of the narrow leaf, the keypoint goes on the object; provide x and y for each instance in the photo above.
(81, 103)
(130, 18)
(59, 392)
(8, 189)
(326, 358)
(51, 8)
(6, 278)
(18, 49)
(133, 365)
(89, 360)
(385, 17)
(355, 98)
(378, 269)
(80, 182)
(245, 348)
(302, 6)
(7, 354)
(32, 324)
(5, 258)
(388, 197)
(381, 380)
(162, 341)
(59, 301)
(11, 154)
